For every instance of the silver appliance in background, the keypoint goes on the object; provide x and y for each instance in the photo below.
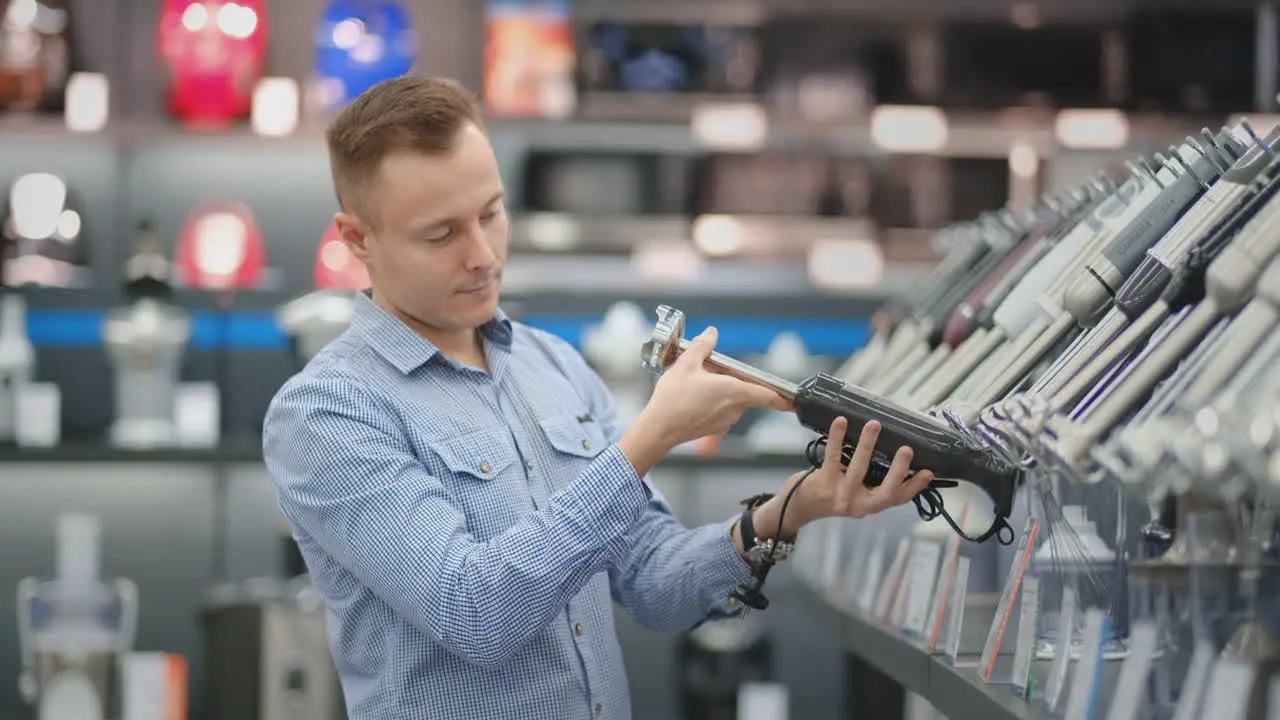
(267, 653)
(316, 319)
(73, 632)
(145, 341)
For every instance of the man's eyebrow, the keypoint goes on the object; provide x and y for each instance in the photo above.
(436, 222)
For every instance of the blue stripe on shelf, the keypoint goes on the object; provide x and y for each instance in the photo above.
(245, 330)
(740, 335)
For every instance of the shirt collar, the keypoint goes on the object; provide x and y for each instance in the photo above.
(404, 348)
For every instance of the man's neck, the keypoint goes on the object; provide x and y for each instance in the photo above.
(462, 346)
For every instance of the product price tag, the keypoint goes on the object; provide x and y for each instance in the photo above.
(924, 573)
(959, 592)
(889, 587)
(1024, 654)
(875, 570)
(1127, 701)
(1084, 685)
(1194, 684)
(1061, 660)
(1230, 687)
(832, 556)
(946, 577)
(1007, 597)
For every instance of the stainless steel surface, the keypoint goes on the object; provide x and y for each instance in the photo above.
(668, 344)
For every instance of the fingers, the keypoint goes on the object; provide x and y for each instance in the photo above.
(763, 397)
(861, 461)
(897, 471)
(835, 443)
(700, 348)
(916, 485)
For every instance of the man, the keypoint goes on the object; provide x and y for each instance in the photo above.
(459, 484)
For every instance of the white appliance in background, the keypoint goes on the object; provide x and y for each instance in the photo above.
(613, 347)
(75, 632)
(316, 319)
(780, 432)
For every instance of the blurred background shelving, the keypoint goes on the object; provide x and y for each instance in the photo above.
(777, 167)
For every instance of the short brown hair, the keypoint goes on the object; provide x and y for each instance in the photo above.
(411, 112)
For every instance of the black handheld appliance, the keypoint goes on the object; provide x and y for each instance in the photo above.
(820, 399)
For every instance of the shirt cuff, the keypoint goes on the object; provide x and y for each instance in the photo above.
(610, 497)
(726, 569)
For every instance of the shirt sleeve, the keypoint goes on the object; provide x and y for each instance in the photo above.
(671, 578)
(347, 478)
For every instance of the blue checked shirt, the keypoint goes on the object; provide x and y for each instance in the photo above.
(471, 531)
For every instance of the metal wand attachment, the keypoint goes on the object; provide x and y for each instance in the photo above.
(668, 342)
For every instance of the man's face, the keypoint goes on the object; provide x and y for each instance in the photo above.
(438, 239)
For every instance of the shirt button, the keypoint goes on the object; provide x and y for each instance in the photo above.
(484, 466)
(586, 444)
(578, 628)
(599, 709)
(733, 601)
(529, 463)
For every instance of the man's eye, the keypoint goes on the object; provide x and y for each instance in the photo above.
(437, 236)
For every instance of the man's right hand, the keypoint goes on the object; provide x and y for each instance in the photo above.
(690, 401)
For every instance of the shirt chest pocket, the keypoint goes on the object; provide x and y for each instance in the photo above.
(480, 473)
(573, 441)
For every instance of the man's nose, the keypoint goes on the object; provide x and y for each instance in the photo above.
(480, 253)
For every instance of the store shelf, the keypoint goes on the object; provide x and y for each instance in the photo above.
(625, 124)
(955, 690)
(250, 451)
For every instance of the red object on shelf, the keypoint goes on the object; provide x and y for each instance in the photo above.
(215, 52)
(221, 248)
(336, 267)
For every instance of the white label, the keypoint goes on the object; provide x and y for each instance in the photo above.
(924, 573)
(832, 556)
(898, 618)
(889, 587)
(39, 411)
(1230, 688)
(959, 592)
(1193, 685)
(1127, 701)
(1024, 652)
(763, 701)
(1061, 659)
(995, 634)
(1084, 686)
(145, 686)
(196, 415)
(942, 590)
(875, 569)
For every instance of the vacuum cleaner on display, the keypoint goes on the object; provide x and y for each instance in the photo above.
(820, 399)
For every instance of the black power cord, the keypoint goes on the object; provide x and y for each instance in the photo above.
(929, 505)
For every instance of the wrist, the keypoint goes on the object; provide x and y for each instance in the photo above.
(768, 514)
(645, 444)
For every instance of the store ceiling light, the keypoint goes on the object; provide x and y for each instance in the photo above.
(718, 235)
(730, 126)
(87, 102)
(673, 262)
(909, 128)
(552, 232)
(1100, 129)
(846, 264)
(1024, 162)
(275, 107)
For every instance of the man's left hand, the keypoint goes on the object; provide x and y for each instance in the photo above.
(834, 490)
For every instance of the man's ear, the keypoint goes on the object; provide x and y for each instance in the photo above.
(354, 233)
